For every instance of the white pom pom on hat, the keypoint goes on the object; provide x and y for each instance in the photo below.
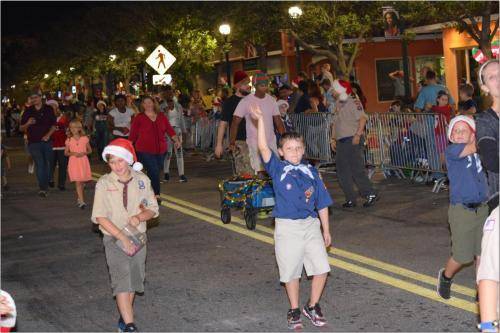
(341, 90)
(122, 148)
(457, 119)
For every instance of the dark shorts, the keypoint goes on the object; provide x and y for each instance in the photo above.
(127, 273)
(466, 227)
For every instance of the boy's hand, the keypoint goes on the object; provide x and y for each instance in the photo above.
(134, 221)
(256, 113)
(328, 238)
(129, 247)
(5, 309)
(472, 138)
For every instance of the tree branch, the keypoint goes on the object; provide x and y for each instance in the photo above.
(311, 49)
(494, 32)
(468, 28)
(356, 50)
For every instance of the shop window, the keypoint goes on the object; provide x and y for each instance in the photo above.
(390, 81)
(436, 62)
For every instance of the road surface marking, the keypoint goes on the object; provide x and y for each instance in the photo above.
(336, 251)
(368, 273)
(373, 275)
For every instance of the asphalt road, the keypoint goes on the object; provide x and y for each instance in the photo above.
(205, 276)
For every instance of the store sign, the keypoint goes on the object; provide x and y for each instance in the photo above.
(160, 59)
(159, 80)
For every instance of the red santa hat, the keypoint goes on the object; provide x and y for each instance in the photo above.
(341, 90)
(239, 76)
(68, 96)
(122, 148)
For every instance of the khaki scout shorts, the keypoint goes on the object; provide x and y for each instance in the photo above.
(256, 159)
(298, 244)
(127, 273)
(466, 227)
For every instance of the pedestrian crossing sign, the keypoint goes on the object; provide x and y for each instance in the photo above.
(160, 59)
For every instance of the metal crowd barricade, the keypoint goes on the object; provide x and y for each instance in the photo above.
(315, 128)
(408, 145)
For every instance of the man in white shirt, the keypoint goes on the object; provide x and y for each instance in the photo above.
(267, 104)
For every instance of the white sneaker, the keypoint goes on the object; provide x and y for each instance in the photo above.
(31, 168)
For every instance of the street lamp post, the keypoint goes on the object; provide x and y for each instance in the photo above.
(140, 50)
(225, 29)
(295, 12)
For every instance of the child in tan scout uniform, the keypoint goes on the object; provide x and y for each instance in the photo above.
(123, 196)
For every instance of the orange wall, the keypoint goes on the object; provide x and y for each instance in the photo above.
(453, 40)
(366, 71)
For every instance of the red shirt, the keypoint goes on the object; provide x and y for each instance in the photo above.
(59, 135)
(149, 136)
(440, 127)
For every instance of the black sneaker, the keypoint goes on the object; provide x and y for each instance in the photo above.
(130, 328)
(62, 188)
(293, 319)
(167, 177)
(52, 185)
(443, 285)
(349, 204)
(43, 194)
(314, 314)
(183, 179)
(370, 200)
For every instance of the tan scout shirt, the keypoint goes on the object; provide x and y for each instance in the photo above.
(108, 199)
(346, 118)
(488, 267)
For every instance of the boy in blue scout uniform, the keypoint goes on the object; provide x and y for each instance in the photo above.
(300, 198)
(468, 195)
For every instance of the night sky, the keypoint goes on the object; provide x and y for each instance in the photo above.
(20, 18)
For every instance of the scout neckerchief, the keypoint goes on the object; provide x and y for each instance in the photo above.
(300, 167)
(125, 191)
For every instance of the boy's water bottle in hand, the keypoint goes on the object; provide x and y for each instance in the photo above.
(130, 240)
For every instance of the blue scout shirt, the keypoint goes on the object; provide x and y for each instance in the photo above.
(467, 179)
(297, 195)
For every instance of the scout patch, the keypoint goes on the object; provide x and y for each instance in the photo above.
(142, 186)
(308, 193)
(144, 202)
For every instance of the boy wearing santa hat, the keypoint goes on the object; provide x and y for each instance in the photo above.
(468, 195)
(123, 196)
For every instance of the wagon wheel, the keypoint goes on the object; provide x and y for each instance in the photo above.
(250, 215)
(225, 215)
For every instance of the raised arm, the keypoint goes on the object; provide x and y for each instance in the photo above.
(265, 152)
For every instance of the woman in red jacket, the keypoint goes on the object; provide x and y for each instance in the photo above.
(147, 133)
